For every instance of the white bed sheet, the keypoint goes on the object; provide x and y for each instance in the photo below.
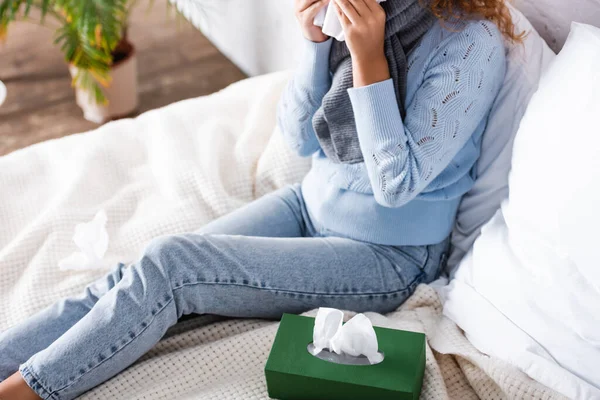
(172, 170)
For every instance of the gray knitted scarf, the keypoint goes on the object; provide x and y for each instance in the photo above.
(334, 124)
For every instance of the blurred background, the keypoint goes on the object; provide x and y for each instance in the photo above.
(175, 61)
(120, 58)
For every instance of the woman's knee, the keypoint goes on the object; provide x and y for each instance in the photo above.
(172, 256)
(156, 264)
(176, 261)
(170, 248)
(95, 290)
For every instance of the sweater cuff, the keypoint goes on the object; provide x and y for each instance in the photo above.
(313, 71)
(377, 114)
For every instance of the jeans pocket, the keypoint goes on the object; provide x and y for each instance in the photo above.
(444, 261)
(438, 258)
(418, 255)
(409, 263)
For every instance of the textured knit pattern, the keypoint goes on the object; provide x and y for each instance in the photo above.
(415, 170)
(173, 170)
(334, 122)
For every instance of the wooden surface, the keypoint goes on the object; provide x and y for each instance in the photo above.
(175, 62)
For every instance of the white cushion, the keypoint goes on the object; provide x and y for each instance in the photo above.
(525, 64)
(529, 291)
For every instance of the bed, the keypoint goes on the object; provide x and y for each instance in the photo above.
(172, 170)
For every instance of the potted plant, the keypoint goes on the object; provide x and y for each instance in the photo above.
(92, 34)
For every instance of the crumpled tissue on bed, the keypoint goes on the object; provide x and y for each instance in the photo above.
(92, 240)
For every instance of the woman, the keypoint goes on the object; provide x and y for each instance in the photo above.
(393, 119)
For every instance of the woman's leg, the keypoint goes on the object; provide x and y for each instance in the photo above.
(278, 215)
(14, 387)
(236, 276)
(228, 275)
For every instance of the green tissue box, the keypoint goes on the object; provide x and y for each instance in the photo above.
(293, 373)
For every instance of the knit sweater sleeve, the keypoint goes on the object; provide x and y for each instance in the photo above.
(302, 98)
(459, 86)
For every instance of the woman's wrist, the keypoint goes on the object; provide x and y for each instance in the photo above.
(313, 67)
(319, 40)
(369, 71)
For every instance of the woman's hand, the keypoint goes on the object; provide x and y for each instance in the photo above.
(364, 27)
(306, 11)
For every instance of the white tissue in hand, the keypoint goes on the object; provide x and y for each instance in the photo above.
(329, 21)
(357, 337)
(320, 17)
(327, 323)
(92, 240)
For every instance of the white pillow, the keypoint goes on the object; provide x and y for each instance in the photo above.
(525, 64)
(529, 291)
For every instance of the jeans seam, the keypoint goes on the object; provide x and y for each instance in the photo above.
(301, 292)
(428, 249)
(113, 354)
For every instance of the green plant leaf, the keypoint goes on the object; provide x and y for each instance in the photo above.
(84, 45)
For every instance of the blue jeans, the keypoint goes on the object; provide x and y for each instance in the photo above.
(263, 260)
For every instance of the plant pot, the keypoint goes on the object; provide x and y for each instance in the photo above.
(122, 94)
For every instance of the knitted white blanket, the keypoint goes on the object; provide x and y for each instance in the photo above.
(172, 170)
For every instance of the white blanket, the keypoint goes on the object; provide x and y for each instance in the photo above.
(172, 170)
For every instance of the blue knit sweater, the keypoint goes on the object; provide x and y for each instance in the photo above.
(408, 189)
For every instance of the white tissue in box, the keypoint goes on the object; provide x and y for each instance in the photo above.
(327, 324)
(354, 338)
(357, 337)
(328, 20)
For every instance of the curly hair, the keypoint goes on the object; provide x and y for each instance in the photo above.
(495, 11)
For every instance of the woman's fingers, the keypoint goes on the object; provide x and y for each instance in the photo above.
(344, 21)
(361, 7)
(306, 11)
(302, 5)
(348, 10)
(312, 10)
(372, 4)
